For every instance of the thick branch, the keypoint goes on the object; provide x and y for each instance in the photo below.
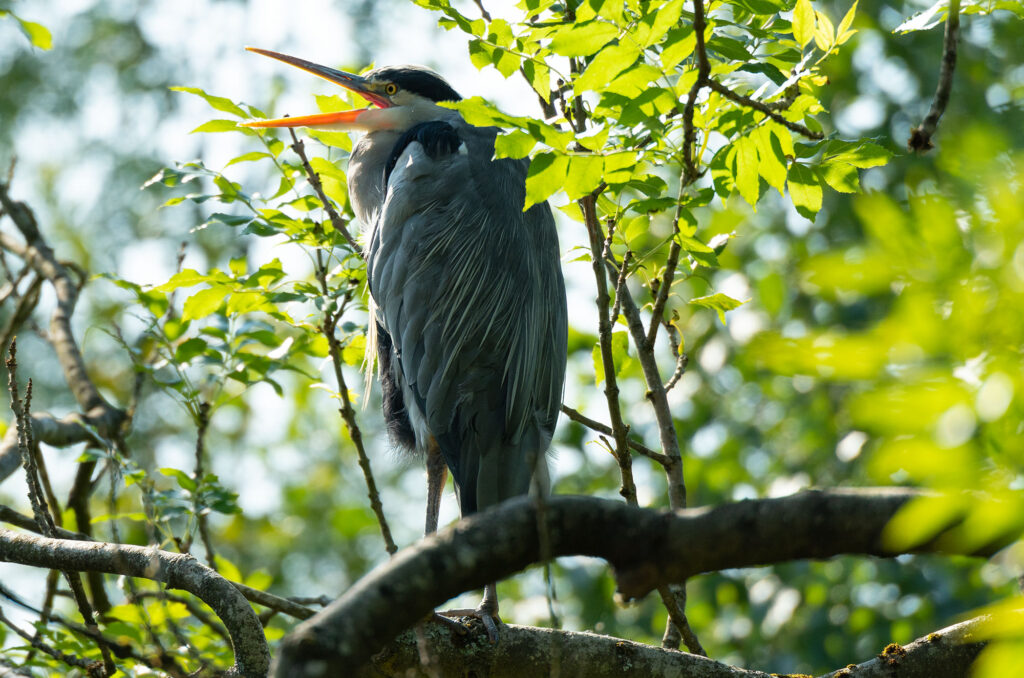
(528, 652)
(947, 653)
(177, 571)
(921, 137)
(70, 430)
(645, 547)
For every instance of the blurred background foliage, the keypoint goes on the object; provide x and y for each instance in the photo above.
(881, 343)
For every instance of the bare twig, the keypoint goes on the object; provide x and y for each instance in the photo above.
(483, 12)
(594, 425)
(921, 137)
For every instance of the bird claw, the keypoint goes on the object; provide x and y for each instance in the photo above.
(489, 618)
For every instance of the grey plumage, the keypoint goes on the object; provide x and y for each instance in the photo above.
(469, 289)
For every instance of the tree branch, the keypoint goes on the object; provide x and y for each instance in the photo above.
(594, 425)
(645, 547)
(528, 652)
(38, 255)
(177, 571)
(947, 653)
(69, 430)
(921, 137)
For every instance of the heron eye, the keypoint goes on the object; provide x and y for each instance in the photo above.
(390, 88)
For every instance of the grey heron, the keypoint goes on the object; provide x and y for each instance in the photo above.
(468, 309)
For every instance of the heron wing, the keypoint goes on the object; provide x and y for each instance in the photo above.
(470, 289)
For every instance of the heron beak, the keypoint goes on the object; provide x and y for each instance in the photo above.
(335, 120)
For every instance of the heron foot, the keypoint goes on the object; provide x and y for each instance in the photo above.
(453, 624)
(486, 613)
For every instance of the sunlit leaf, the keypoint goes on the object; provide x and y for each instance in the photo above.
(582, 38)
(721, 303)
(803, 22)
(546, 176)
(804, 190)
(219, 103)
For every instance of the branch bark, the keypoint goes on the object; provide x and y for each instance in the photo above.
(177, 571)
(646, 548)
(921, 137)
(947, 653)
(528, 652)
(36, 254)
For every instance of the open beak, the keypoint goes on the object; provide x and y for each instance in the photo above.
(336, 120)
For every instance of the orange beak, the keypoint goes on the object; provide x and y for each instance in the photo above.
(336, 120)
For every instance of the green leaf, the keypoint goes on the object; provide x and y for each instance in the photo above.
(841, 177)
(246, 157)
(678, 46)
(729, 48)
(538, 74)
(189, 349)
(804, 190)
(37, 34)
(584, 175)
(184, 481)
(747, 180)
(803, 22)
(204, 302)
(582, 39)
(858, 154)
(844, 32)
(665, 17)
(824, 32)
(772, 159)
(514, 144)
(719, 302)
(326, 168)
(184, 278)
(609, 62)
(221, 126)
(619, 167)
(546, 175)
(219, 103)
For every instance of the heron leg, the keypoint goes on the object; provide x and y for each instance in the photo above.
(437, 474)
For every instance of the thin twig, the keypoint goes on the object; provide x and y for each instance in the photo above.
(682, 359)
(763, 108)
(594, 425)
(611, 389)
(328, 328)
(200, 511)
(314, 180)
(921, 137)
(483, 12)
(623, 272)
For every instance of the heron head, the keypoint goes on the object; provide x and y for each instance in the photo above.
(400, 96)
